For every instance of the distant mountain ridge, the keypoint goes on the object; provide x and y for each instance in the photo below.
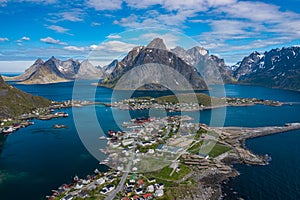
(54, 70)
(210, 67)
(277, 68)
(14, 102)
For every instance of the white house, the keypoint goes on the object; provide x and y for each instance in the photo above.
(159, 193)
(150, 188)
(100, 181)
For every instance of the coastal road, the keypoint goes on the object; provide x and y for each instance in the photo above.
(120, 186)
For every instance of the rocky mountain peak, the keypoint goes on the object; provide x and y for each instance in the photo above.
(52, 62)
(39, 61)
(53, 58)
(197, 51)
(157, 43)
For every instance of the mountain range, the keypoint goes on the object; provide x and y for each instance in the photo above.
(278, 68)
(54, 70)
(14, 102)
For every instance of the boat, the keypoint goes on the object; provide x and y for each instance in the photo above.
(9, 130)
(268, 158)
(96, 171)
(61, 114)
(76, 178)
(111, 133)
(46, 117)
(59, 126)
(103, 162)
(102, 138)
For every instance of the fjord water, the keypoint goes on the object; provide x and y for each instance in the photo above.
(35, 160)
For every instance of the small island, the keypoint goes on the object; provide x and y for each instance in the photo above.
(182, 102)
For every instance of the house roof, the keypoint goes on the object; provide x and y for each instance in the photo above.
(147, 195)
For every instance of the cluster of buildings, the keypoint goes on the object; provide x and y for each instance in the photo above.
(153, 142)
(145, 103)
(141, 188)
(148, 141)
(8, 126)
(148, 103)
(102, 183)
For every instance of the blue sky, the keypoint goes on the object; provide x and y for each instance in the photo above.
(230, 29)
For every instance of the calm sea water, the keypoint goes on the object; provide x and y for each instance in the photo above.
(39, 158)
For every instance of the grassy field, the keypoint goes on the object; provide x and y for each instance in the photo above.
(202, 99)
(218, 149)
(165, 172)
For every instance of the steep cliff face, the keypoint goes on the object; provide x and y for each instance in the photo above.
(14, 102)
(247, 64)
(210, 67)
(151, 56)
(108, 69)
(278, 68)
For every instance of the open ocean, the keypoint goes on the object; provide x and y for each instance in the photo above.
(37, 159)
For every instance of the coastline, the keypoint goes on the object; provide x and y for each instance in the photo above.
(12, 124)
(206, 176)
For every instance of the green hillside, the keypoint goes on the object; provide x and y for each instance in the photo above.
(14, 102)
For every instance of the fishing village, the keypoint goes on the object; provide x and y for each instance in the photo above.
(185, 103)
(160, 158)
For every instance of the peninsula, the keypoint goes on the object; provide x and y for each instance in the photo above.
(164, 158)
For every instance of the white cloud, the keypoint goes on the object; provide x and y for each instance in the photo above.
(50, 40)
(74, 48)
(25, 38)
(58, 29)
(95, 24)
(142, 4)
(113, 46)
(73, 15)
(105, 52)
(3, 3)
(105, 4)
(4, 39)
(113, 36)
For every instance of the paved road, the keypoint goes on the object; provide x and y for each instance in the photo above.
(120, 186)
